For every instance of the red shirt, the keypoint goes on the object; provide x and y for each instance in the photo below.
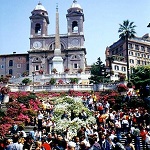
(46, 146)
(143, 134)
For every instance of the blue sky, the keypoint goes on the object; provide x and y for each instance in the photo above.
(102, 18)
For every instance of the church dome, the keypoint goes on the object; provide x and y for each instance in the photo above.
(40, 7)
(75, 5)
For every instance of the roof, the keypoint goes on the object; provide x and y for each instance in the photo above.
(40, 7)
(75, 5)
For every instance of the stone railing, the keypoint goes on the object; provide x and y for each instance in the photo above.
(62, 87)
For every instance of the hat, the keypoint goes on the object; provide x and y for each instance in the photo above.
(71, 144)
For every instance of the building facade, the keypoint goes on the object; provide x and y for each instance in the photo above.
(40, 56)
(42, 45)
(14, 64)
(138, 52)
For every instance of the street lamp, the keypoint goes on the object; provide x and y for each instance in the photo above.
(103, 74)
(33, 74)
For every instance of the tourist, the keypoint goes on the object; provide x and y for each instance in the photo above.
(143, 134)
(9, 144)
(14, 128)
(40, 118)
(77, 142)
(104, 142)
(94, 145)
(45, 144)
(71, 145)
(64, 116)
(60, 143)
(39, 146)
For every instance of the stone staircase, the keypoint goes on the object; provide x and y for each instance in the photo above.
(27, 129)
(123, 139)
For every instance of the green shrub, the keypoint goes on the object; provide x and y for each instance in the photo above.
(26, 81)
(52, 81)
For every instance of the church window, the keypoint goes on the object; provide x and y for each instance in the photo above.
(74, 27)
(18, 65)
(10, 71)
(2, 66)
(37, 68)
(38, 29)
(75, 66)
(10, 63)
(52, 47)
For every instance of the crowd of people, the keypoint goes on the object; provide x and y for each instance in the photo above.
(111, 126)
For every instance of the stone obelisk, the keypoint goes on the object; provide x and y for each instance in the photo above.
(57, 61)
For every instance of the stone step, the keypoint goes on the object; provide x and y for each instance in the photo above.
(122, 140)
(27, 129)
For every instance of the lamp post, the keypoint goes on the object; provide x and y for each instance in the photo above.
(33, 74)
(103, 74)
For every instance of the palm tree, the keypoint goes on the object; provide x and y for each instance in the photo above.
(127, 31)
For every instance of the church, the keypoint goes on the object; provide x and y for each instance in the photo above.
(50, 53)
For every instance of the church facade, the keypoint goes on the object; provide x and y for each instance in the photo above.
(48, 52)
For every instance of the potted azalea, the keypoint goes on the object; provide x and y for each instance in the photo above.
(54, 70)
(5, 90)
(80, 70)
(41, 71)
(122, 77)
(122, 88)
(66, 70)
(60, 81)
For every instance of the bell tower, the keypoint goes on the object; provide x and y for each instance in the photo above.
(75, 19)
(39, 21)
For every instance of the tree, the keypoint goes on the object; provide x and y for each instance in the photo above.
(52, 81)
(97, 72)
(110, 60)
(26, 81)
(127, 31)
(141, 76)
(73, 80)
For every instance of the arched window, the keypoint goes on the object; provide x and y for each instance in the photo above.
(10, 63)
(123, 68)
(74, 27)
(10, 71)
(116, 67)
(38, 29)
(52, 47)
